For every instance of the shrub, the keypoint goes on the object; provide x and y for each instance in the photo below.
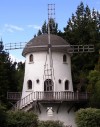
(89, 117)
(21, 119)
(2, 116)
(50, 123)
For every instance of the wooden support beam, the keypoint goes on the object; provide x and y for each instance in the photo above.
(59, 107)
(70, 108)
(38, 106)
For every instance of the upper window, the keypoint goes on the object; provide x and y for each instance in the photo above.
(29, 83)
(31, 58)
(64, 58)
(66, 85)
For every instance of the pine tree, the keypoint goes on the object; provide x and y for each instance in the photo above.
(8, 80)
(4, 61)
(39, 32)
(52, 25)
(83, 28)
(44, 28)
(20, 75)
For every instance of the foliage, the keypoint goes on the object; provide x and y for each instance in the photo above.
(83, 28)
(50, 123)
(11, 76)
(6, 72)
(21, 119)
(94, 77)
(79, 26)
(89, 117)
(2, 116)
(52, 25)
(97, 66)
(44, 28)
(94, 88)
(20, 75)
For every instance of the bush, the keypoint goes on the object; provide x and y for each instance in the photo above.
(50, 123)
(21, 119)
(89, 117)
(2, 116)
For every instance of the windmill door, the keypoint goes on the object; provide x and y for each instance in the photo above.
(48, 89)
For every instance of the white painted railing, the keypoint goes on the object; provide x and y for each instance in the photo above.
(51, 96)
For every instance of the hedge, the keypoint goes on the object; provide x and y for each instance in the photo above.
(24, 119)
(21, 119)
(2, 116)
(89, 117)
(50, 123)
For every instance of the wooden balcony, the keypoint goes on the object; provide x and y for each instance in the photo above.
(50, 96)
(45, 97)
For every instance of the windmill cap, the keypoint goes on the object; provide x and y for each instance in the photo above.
(40, 43)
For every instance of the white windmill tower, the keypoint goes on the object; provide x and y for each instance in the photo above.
(47, 87)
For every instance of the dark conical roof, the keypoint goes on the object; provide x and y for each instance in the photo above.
(40, 43)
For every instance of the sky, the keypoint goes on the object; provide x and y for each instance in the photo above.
(20, 20)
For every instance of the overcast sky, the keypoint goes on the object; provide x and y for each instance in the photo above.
(21, 19)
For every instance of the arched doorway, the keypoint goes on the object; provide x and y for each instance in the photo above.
(48, 89)
(48, 85)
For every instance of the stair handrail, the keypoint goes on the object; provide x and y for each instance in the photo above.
(22, 102)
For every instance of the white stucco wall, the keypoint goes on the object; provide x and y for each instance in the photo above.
(35, 70)
(62, 71)
(68, 118)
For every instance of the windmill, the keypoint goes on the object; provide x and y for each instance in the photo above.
(48, 69)
(47, 86)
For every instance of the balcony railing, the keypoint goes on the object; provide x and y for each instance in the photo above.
(63, 95)
(47, 96)
(15, 96)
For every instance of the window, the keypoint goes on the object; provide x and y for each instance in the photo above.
(66, 85)
(31, 58)
(64, 58)
(29, 83)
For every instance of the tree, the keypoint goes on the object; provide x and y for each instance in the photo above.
(3, 116)
(20, 75)
(52, 25)
(8, 76)
(44, 28)
(83, 28)
(94, 88)
(97, 66)
(4, 72)
(88, 117)
(39, 32)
